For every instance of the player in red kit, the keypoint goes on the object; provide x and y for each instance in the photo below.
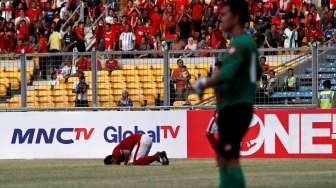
(134, 150)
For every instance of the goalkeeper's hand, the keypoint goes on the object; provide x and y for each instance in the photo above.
(200, 84)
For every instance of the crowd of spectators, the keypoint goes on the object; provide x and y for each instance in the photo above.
(142, 24)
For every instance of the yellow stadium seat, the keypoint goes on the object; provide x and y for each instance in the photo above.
(190, 66)
(104, 86)
(89, 92)
(117, 92)
(147, 79)
(32, 104)
(12, 69)
(158, 72)
(116, 79)
(61, 104)
(160, 85)
(137, 103)
(107, 92)
(204, 66)
(61, 80)
(31, 93)
(193, 72)
(4, 106)
(133, 85)
(157, 66)
(45, 99)
(203, 72)
(15, 99)
(60, 87)
(71, 98)
(59, 92)
(72, 79)
(158, 78)
(121, 85)
(147, 72)
(44, 87)
(69, 86)
(106, 98)
(3, 89)
(116, 73)
(130, 72)
(47, 104)
(150, 91)
(132, 79)
(209, 91)
(14, 105)
(32, 99)
(15, 83)
(2, 69)
(14, 75)
(193, 97)
(30, 69)
(179, 103)
(173, 66)
(135, 91)
(150, 99)
(137, 97)
(4, 82)
(149, 85)
(206, 96)
(103, 79)
(60, 99)
(87, 73)
(106, 104)
(128, 67)
(43, 93)
(144, 66)
(102, 73)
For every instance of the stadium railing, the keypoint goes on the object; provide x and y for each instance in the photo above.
(40, 81)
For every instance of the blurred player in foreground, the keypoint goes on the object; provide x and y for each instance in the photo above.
(235, 86)
(134, 150)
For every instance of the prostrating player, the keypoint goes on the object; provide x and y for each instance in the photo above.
(235, 86)
(134, 150)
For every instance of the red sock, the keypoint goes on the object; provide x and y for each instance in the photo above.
(145, 160)
(213, 141)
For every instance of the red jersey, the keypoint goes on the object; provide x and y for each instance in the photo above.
(156, 20)
(111, 64)
(197, 10)
(127, 144)
(109, 40)
(83, 65)
(139, 32)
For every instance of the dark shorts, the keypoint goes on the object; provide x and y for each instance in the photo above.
(233, 123)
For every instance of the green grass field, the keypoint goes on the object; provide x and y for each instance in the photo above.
(268, 173)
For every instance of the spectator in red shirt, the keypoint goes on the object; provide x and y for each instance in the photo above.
(21, 46)
(111, 64)
(22, 30)
(139, 32)
(262, 61)
(156, 18)
(180, 81)
(109, 37)
(83, 64)
(80, 35)
(100, 31)
(197, 10)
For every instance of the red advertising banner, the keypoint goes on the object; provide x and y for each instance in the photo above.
(283, 133)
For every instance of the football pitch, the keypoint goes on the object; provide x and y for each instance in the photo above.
(268, 173)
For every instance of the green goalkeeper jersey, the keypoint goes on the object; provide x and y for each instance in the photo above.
(239, 72)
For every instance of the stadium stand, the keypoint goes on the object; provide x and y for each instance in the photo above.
(151, 23)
